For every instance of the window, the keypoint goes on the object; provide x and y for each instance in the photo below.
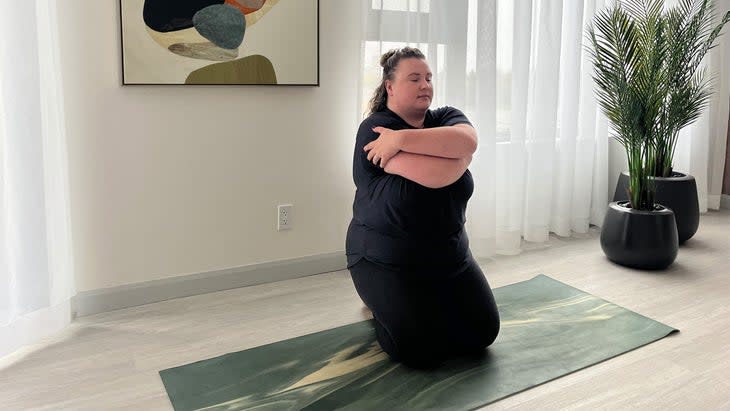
(446, 33)
(402, 5)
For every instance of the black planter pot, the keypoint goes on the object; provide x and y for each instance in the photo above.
(638, 238)
(678, 193)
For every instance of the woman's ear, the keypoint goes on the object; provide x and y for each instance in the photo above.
(389, 87)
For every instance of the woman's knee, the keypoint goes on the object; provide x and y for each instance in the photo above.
(414, 348)
(479, 336)
(490, 332)
(420, 353)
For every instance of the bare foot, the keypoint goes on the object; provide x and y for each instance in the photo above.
(366, 312)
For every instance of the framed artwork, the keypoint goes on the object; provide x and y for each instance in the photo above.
(257, 42)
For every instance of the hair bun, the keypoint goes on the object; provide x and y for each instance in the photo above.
(386, 56)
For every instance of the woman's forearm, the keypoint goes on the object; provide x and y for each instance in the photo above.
(456, 141)
(428, 171)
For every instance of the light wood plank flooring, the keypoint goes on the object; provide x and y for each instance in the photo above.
(111, 360)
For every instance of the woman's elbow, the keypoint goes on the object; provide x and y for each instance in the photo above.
(432, 180)
(471, 144)
(443, 182)
(470, 139)
(447, 179)
(435, 183)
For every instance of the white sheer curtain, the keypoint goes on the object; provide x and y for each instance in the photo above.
(36, 267)
(520, 72)
(701, 146)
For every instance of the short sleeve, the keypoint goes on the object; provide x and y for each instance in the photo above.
(362, 168)
(448, 116)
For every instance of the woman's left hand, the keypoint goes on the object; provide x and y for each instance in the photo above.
(381, 150)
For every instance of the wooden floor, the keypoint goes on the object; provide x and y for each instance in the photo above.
(111, 360)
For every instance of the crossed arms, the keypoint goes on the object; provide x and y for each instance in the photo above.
(433, 157)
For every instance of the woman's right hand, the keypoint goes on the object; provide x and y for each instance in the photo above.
(388, 144)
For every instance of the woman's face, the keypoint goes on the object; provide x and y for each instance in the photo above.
(410, 90)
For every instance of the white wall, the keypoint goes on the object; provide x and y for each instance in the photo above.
(617, 164)
(174, 180)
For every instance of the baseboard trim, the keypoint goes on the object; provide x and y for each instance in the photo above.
(725, 202)
(132, 295)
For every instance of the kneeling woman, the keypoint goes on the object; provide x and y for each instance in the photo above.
(407, 249)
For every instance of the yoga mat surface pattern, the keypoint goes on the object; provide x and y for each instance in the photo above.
(549, 329)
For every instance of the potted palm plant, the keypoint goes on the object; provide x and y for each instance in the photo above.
(630, 87)
(681, 37)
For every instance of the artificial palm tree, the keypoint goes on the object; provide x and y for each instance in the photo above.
(647, 68)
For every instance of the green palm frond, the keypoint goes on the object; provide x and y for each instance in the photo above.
(646, 69)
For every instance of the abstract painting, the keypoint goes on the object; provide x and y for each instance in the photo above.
(257, 42)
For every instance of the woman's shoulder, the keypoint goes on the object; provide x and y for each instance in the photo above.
(377, 116)
(445, 110)
(385, 118)
(445, 116)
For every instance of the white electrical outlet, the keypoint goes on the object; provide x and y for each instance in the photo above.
(284, 217)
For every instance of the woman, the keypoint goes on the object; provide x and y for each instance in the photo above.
(407, 250)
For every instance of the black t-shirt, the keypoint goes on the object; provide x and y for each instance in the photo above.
(399, 222)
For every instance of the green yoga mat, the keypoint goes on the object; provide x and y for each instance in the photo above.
(549, 329)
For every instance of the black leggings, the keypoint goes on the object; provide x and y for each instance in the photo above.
(422, 318)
